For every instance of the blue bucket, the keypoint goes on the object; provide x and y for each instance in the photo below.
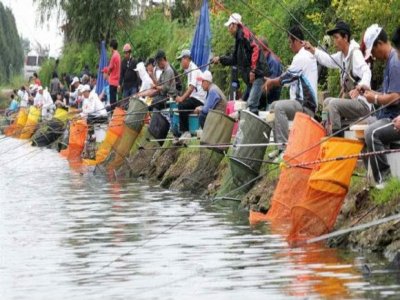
(194, 123)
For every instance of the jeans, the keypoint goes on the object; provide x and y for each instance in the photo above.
(377, 135)
(254, 92)
(129, 92)
(113, 96)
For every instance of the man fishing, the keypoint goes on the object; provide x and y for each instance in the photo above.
(249, 58)
(355, 76)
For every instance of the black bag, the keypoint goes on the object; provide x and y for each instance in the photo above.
(159, 126)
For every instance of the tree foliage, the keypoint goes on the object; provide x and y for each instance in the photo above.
(89, 20)
(11, 53)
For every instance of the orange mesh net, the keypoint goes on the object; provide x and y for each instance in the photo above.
(31, 123)
(77, 139)
(316, 213)
(114, 132)
(291, 189)
(16, 127)
(121, 148)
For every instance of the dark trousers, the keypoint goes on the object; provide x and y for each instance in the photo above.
(113, 96)
(188, 104)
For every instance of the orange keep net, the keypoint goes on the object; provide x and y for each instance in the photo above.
(291, 188)
(121, 149)
(316, 213)
(114, 132)
(31, 123)
(16, 127)
(77, 138)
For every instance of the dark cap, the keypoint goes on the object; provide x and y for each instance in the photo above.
(340, 26)
(160, 55)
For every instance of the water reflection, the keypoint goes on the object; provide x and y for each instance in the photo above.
(94, 237)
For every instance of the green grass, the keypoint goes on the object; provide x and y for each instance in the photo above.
(389, 193)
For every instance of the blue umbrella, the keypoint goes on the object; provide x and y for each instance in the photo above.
(201, 44)
(103, 62)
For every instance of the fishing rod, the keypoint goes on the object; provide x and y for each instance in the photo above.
(213, 146)
(352, 229)
(340, 158)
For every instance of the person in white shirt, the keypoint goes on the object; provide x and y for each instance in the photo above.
(44, 101)
(92, 108)
(194, 95)
(147, 82)
(23, 97)
(302, 75)
(355, 77)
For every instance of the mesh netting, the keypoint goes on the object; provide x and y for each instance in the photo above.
(77, 138)
(291, 187)
(16, 127)
(316, 213)
(217, 130)
(114, 132)
(31, 123)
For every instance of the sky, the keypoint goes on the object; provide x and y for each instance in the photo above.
(26, 17)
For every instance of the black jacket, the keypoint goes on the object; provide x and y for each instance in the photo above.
(129, 77)
(247, 56)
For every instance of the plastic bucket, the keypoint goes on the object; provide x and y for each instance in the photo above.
(230, 109)
(194, 123)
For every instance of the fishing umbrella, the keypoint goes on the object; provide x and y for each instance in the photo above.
(201, 44)
(103, 62)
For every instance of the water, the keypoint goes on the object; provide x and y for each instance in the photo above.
(71, 235)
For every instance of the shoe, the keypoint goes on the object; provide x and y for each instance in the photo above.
(274, 154)
(176, 141)
(185, 136)
(380, 186)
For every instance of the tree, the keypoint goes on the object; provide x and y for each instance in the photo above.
(88, 21)
(11, 53)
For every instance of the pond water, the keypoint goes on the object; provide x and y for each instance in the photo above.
(75, 235)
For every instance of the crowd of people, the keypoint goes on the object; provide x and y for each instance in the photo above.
(262, 72)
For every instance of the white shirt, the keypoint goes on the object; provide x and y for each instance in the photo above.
(360, 67)
(45, 101)
(305, 62)
(144, 77)
(24, 97)
(93, 105)
(194, 79)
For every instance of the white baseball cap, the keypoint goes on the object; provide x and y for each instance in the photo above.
(75, 80)
(85, 88)
(234, 18)
(207, 76)
(184, 53)
(40, 88)
(370, 36)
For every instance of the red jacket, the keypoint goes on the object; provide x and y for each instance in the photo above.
(114, 68)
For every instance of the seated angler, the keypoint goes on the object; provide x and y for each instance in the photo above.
(14, 105)
(194, 95)
(302, 75)
(44, 101)
(215, 98)
(92, 108)
(386, 129)
(355, 77)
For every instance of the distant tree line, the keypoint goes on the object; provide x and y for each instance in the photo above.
(11, 52)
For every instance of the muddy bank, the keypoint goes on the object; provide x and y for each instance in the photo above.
(206, 172)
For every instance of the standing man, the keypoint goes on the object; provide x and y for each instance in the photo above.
(355, 76)
(387, 128)
(194, 95)
(302, 75)
(249, 59)
(114, 69)
(275, 69)
(128, 80)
